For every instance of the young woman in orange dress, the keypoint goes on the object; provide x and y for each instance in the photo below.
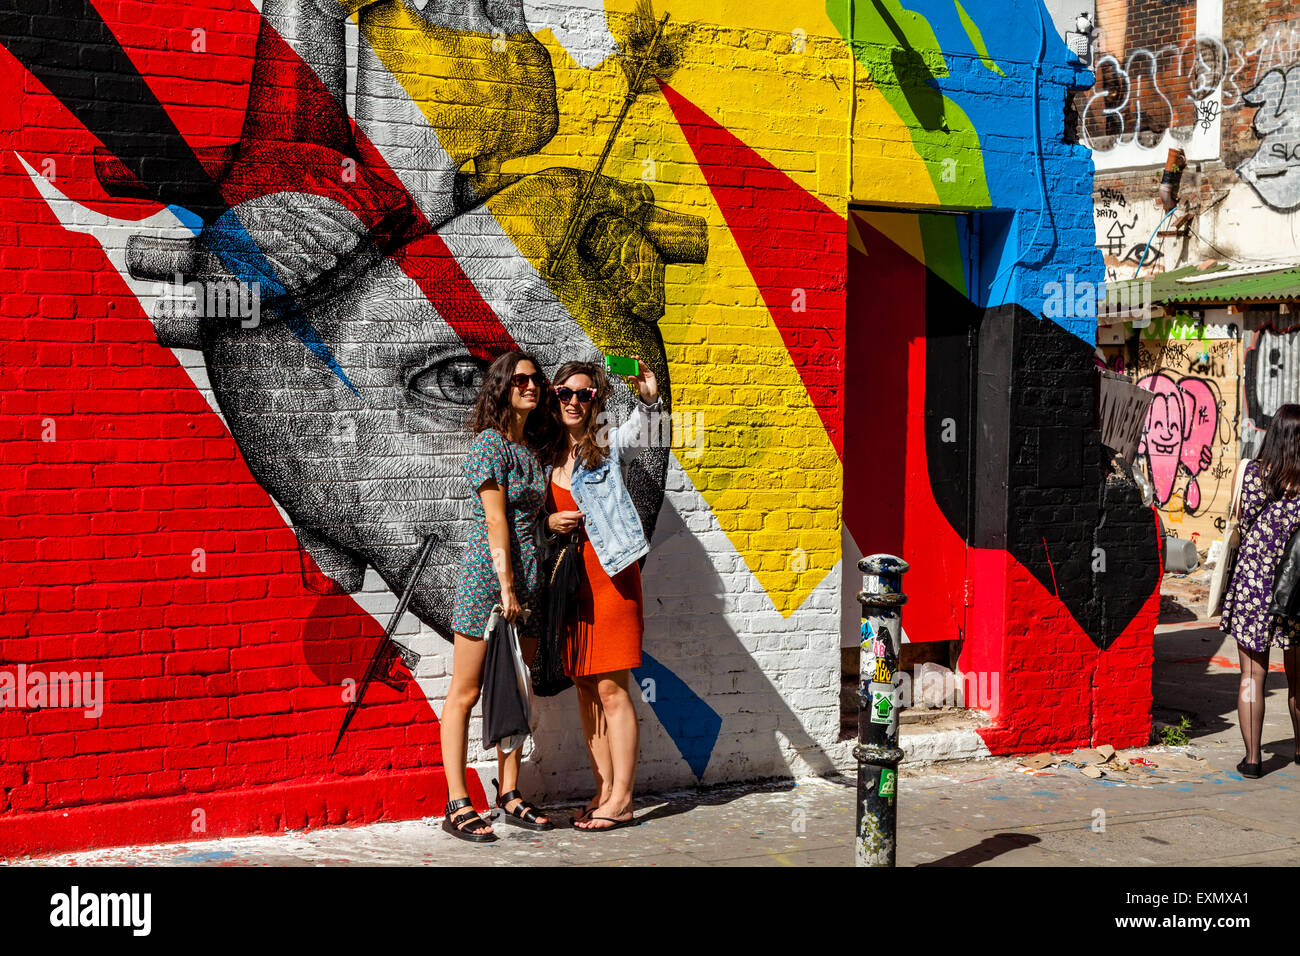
(587, 494)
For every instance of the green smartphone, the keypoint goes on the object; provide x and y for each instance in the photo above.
(618, 365)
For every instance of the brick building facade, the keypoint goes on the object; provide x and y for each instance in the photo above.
(828, 227)
(1220, 80)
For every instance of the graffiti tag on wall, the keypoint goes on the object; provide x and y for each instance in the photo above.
(1143, 93)
(1152, 92)
(1270, 379)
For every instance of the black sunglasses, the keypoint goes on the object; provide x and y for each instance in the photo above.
(520, 380)
(585, 395)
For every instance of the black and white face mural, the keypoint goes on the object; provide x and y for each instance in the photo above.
(1274, 170)
(380, 258)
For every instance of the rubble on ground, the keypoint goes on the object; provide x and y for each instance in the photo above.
(1141, 769)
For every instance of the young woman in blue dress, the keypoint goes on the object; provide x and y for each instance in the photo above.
(510, 421)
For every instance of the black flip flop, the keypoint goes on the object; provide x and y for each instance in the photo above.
(462, 827)
(618, 825)
(524, 814)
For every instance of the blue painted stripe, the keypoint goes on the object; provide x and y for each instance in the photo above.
(691, 723)
(231, 243)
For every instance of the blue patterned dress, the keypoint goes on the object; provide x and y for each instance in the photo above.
(1266, 526)
(516, 469)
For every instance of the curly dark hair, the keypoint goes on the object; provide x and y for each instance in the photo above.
(1279, 454)
(492, 407)
(590, 452)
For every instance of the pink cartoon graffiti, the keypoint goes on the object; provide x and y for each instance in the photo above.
(1180, 430)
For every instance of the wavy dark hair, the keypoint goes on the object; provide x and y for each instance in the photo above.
(492, 407)
(1279, 454)
(590, 452)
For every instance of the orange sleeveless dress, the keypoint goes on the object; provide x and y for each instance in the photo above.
(608, 627)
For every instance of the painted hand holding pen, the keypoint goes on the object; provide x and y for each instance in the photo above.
(384, 651)
(390, 259)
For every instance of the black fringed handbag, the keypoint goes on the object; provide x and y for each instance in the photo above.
(561, 566)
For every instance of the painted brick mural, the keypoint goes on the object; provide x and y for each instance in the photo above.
(1219, 79)
(255, 257)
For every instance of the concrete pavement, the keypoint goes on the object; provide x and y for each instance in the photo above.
(977, 813)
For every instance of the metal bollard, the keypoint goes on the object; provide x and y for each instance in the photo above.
(877, 751)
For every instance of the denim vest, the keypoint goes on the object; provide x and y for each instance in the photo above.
(611, 519)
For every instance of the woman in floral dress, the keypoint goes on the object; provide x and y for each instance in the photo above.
(507, 483)
(1268, 514)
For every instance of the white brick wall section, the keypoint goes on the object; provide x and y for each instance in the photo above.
(774, 681)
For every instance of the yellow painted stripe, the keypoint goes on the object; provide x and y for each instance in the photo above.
(769, 471)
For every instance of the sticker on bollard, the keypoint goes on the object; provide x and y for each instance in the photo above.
(879, 702)
(882, 705)
(887, 778)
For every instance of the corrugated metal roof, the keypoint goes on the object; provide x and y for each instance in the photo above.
(1163, 285)
(1278, 286)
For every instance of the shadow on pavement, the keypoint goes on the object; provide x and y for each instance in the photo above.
(1277, 756)
(674, 803)
(1173, 612)
(987, 849)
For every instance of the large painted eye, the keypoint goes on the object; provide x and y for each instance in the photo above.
(456, 380)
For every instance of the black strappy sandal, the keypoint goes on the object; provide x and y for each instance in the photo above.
(524, 814)
(461, 827)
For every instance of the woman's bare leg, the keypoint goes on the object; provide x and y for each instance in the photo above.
(1250, 699)
(462, 695)
(624, 741)
(596, 733)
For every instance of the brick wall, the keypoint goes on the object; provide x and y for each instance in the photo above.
(214, 515)
(1231, 219)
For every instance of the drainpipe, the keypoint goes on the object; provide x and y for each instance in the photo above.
(877, 752)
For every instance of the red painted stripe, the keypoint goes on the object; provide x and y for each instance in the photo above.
(791, 242)
(435, 270)
(272, 809)
(224, 687)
